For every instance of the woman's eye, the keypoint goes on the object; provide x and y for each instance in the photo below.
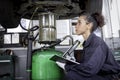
(74, 23)
(79, 22)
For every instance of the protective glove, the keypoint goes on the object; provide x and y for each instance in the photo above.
(61, 65)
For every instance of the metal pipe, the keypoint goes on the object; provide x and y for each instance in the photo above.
(71, 49)
(29, 56)
(71, 42)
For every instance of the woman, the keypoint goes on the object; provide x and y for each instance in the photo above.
(98, 62)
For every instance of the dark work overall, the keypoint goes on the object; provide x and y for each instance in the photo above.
(98, 63)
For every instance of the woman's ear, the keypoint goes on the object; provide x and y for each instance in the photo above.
(90, 26)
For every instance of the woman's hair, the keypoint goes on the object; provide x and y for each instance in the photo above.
(96, 18)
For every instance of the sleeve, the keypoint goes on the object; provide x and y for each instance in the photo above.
(94, 64)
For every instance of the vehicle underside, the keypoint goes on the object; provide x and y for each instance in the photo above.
(11, 11)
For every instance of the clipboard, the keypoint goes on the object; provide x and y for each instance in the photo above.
(62, 59)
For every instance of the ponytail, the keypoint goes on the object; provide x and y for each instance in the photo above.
(99, 19)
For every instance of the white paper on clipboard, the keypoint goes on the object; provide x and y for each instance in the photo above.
(62, 59)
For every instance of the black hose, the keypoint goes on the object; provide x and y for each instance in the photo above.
(36, 36)
(58, 41)
(34, 28)
(20, 21)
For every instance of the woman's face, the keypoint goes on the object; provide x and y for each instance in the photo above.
(81, 26)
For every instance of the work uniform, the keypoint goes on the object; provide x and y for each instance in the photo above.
(98, 62)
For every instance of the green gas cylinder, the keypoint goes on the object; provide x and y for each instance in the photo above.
(45, 69)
